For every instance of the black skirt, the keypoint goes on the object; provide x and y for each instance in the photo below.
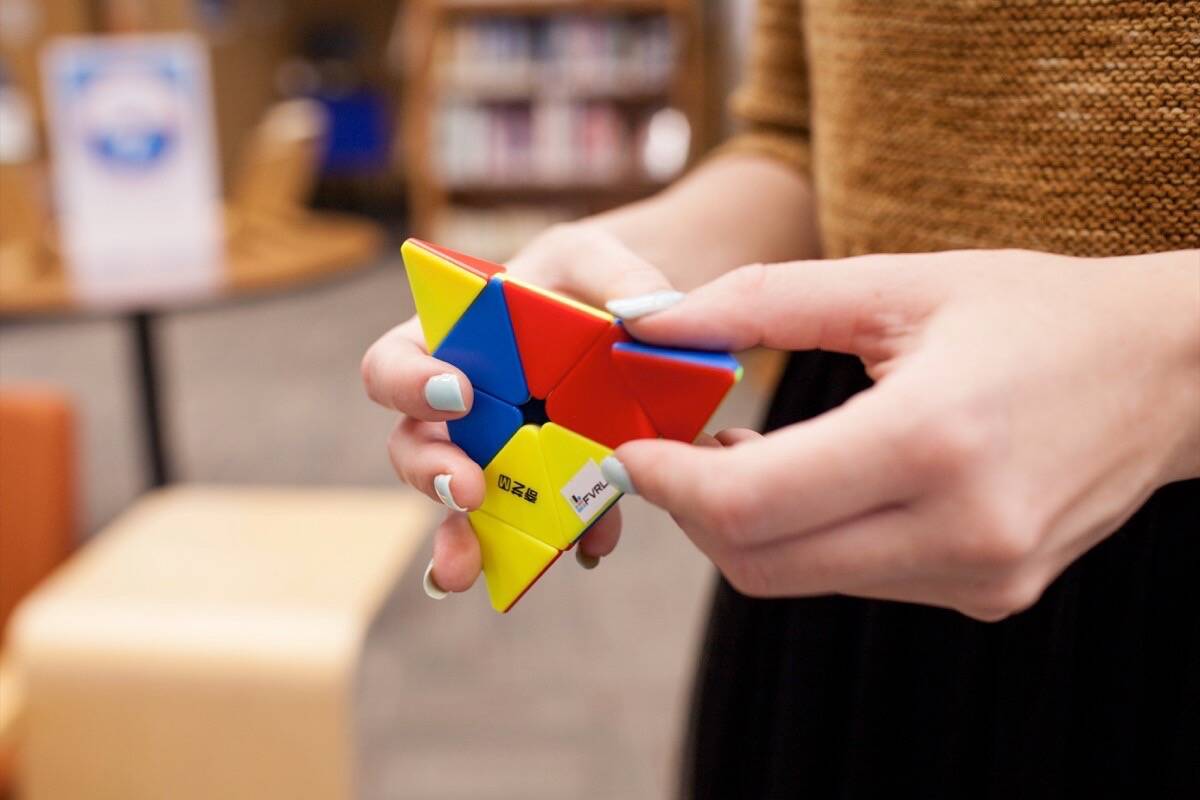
(1093, 691)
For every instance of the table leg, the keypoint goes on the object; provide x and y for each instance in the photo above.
(148, 396)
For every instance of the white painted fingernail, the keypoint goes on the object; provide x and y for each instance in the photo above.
(586, 561)
(615, 473)
(443, 393)
(441, 485)
(431, 588)
(643, 304)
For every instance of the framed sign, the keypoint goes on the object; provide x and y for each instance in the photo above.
(134, 166)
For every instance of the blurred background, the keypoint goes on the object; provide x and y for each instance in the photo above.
(209, 577)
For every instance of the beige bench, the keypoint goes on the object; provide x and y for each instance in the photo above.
(205, 644)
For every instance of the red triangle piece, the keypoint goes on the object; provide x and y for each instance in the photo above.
(552, 336)
(479, 266)
(678, 395)
(594, 400)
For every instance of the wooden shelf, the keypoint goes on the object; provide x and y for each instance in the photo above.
(430, 30)
(526, 8)
(532, 191)
(532, 92)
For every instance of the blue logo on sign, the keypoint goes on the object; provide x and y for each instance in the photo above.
(138, 149)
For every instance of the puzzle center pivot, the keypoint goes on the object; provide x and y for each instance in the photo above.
(533, 412)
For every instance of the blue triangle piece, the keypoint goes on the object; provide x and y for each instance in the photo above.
(482, 345)
(704, 358)
(486, 429)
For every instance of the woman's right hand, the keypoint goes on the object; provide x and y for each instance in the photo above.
(581, 260)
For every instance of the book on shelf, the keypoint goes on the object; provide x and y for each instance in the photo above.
(566, 54)
(547, 143)
(540, 116)
(537, 101)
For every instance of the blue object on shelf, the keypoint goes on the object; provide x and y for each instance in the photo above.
(360, 133)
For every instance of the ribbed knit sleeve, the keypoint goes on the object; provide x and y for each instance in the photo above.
(771, 105)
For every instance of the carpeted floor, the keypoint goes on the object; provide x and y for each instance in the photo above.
(580, 692)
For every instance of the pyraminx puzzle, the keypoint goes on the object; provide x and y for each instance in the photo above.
(558, 385)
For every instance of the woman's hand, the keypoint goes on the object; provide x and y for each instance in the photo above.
(1025, 406)
(580, 260)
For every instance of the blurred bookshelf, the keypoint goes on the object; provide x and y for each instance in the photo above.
(522, 113)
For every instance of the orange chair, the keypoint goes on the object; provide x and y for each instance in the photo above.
(37, 509)
(37, 490)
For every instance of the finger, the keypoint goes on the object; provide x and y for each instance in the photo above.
(987, 601)
(880, 548)
(601, 539)
(600, 283)
(856, 305)
(591, 265)
(801, 478)
(399, 374)
(423, 456)
(457, 560)
(731, 436)
(936, 593)
(726, 438)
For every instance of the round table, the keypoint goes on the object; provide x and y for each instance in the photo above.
(261, 257)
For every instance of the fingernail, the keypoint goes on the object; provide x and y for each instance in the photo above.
(441, 485)
(643, 304)
(443, 393)
(615, 473)
(586, 561)
(431, 588)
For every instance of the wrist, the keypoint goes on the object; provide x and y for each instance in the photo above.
(1173, 320)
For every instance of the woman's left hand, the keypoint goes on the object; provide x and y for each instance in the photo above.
(1025, 405)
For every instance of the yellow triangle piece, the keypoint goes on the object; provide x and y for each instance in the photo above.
(573, 466)
(518, 492)
(441, 290)
(512, 561)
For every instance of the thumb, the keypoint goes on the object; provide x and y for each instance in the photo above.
(590, 264)
(677, 477)
(848, 306)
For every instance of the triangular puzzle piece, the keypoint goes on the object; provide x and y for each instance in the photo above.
(482, 345)
(553, 332)
(517, 489)
(594, 401)
(482, 268)
(441, 289)
(512, 561)
(486, 429)
(581, 494)
(544, 486)
(678, 389)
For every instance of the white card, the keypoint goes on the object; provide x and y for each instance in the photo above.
(134, 165)
(588, 492)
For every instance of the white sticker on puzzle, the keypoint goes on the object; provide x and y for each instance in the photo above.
(588, 492)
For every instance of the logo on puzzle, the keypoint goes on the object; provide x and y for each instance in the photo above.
(517, 489)
(581, 501)
(587, 491)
